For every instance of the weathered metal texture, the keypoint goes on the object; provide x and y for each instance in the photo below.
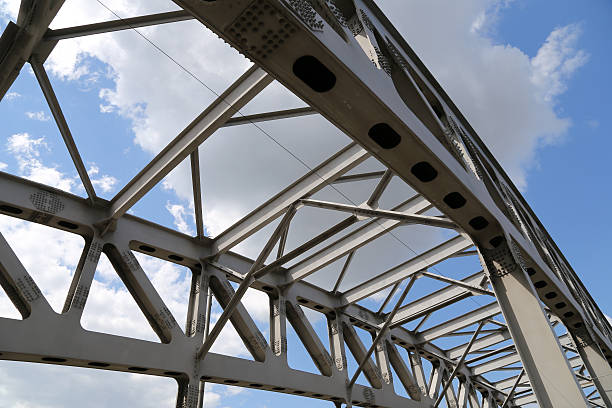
(349, 64)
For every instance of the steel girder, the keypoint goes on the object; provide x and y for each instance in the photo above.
(344, 59)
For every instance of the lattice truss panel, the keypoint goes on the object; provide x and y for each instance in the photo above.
(514, 330)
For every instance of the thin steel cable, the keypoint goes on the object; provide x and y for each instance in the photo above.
(276, 142)
(279, 144)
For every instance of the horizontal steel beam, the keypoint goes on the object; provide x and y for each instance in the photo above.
(468, 319)
(117, 25)
(437, 300)
(313, 181)
(354, 240)
(213, 117)
(268, 116)
(397, 93)
(419, 263)
(390, 215)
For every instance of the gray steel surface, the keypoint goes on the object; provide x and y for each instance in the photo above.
(348, 63)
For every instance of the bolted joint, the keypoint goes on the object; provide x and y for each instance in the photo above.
(106, 225)
(504, 259)
(582, 337)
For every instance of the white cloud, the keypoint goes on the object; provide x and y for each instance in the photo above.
(106, 108)
(257, 304)
(229, 390)
(3, 166)
(211, 398)
(59, 387)
(10, 7)
(508, 97)
(105, 182)
(40, 116)
(557, 60)
(26, 151)
(24, 144)
(178, 212)
(9, 96)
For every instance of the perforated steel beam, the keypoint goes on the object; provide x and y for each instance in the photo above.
(346, 62)
(399, 93)
(548, 370)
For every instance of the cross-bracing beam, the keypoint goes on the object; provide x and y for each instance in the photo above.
(391, 215)
(269, 116)
(313, 181)
(117, 25)
(60, 120)
(355, 240)
(211, 119)
(511, 392)
(459, 363)
(472, 288)
(169, 242)
(437, 300)
(382, 185)
(412, 266)
(19, 40)
(382, 331)
(468, 319)
(418, 129)
(372, 175)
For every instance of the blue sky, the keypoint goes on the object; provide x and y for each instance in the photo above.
(569, 189)
(546, 124)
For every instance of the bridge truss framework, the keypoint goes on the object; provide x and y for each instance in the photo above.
(348, 63)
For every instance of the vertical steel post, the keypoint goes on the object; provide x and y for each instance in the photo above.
(596, 364)
(278, 326)
(551, 376)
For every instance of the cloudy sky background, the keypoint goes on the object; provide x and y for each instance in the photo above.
(521, 73)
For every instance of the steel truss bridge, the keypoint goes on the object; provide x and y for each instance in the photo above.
(349, 64)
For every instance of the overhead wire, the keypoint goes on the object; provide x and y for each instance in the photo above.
(267, 134)
(273, 139)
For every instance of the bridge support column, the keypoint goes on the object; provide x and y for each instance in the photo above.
(190, 393)
(551, 376)
(596, 364)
